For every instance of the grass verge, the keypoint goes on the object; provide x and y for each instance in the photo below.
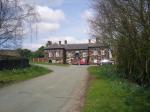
(63, 65)
(109, 93)
(15, 75)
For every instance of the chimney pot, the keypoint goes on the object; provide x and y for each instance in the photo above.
(59, 42)
(89, 41)
(49, 43)
(65, 41)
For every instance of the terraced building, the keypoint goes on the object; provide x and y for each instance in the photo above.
(86, 53)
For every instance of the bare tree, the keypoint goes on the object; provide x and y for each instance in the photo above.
(14, 16)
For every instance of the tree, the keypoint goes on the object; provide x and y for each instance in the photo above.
(39, 53)
(125, 25)
(25, 53)
(14, 15)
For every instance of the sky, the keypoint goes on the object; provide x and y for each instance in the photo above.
(60, 20)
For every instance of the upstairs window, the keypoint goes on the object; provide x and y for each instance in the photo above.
(102, 52)
(50, 54)
(57, 54)
(84, 54)
(95, 53)
(69, 55)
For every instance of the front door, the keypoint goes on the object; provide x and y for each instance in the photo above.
(77, 57)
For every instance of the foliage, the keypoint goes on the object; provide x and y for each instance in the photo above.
(25, 53)
(125, 25)
(10, 76)
(109, 93)
(39, 53)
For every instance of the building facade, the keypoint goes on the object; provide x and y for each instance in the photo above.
(88, 53)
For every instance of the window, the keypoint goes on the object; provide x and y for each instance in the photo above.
(95, 53)
(84, 54)
(102, 52)
(57, 54)
(69, 55)
(77, 51)
(95, 61)
(50, 54)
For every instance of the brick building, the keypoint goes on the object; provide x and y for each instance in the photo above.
(88, 53)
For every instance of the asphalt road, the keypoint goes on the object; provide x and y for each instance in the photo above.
(49, 93)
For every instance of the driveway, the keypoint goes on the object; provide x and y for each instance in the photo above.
(60, 91)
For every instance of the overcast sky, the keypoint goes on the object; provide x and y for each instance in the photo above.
(60, 20)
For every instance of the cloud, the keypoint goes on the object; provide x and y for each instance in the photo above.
(48, 14)
(87, 14)
(52, 3)
(50, 19)
(56, 2)
(47, 27)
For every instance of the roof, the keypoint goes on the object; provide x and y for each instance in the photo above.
(75, 46)
(8, 53)
(55, 46)
(96, 45)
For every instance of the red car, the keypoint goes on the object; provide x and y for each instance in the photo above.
(83, 62)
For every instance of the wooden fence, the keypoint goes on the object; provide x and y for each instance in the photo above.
(40, 60)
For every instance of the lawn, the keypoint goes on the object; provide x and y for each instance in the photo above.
(109, 93)
(62, 65)
(11, 76)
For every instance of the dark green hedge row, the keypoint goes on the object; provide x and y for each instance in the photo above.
(13, 63)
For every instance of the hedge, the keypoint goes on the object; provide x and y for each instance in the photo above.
(13, 63)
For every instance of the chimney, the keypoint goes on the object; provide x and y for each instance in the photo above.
(65, 41)
(89, 41)
(49, 43)
(59, 42)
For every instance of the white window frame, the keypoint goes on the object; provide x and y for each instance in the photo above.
(84, 54)
(69, 55)
(57, 54)
(50, 54)
(95, 52)
(103, 52)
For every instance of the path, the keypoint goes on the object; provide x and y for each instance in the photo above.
(54, 92)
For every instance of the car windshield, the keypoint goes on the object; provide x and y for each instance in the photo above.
(104, 60)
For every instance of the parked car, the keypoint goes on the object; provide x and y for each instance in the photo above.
(83, 62)
(107, 62)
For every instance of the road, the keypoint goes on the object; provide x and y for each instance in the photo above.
(54, 92)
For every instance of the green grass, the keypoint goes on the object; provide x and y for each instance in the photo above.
(109, 93)
(15, 75)
(63, 65)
